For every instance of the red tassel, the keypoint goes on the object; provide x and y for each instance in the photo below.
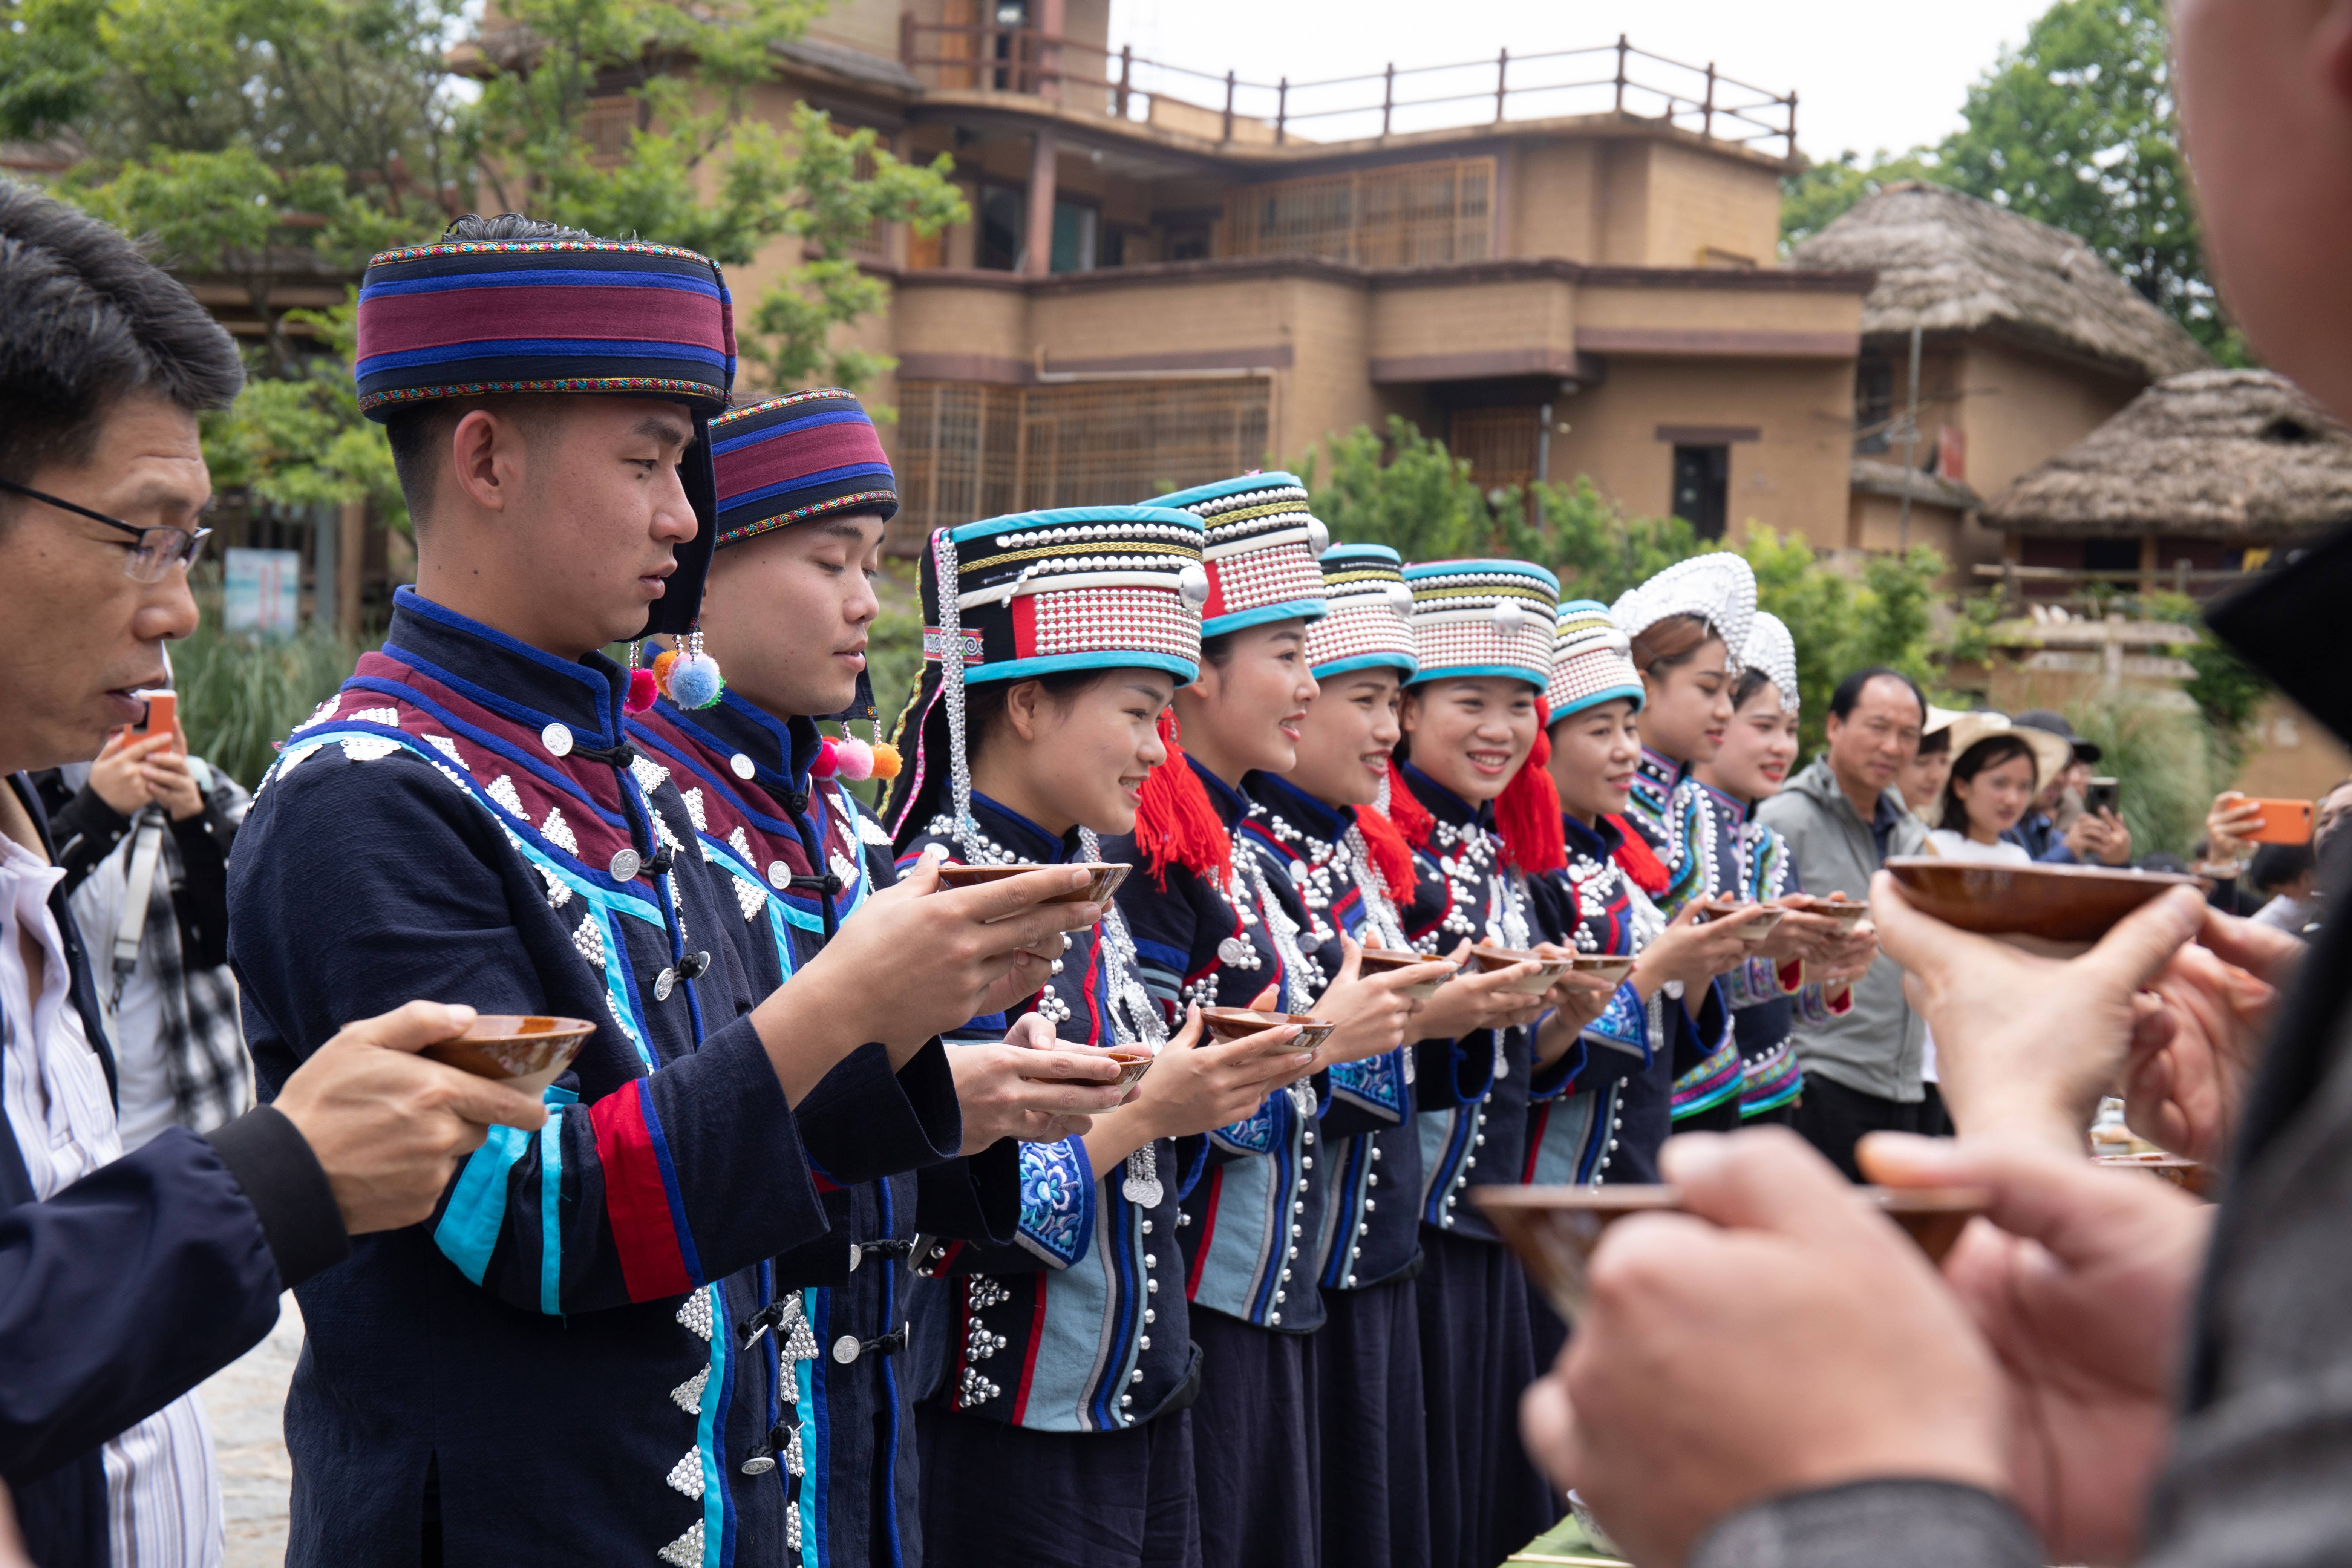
(1392, 855)
(1526, 815)
(1412, 818)
(1640, 862)
(1175, 824)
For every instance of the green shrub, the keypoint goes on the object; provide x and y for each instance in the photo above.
(239, 696)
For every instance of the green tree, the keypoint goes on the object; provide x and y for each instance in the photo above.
(1817, 196)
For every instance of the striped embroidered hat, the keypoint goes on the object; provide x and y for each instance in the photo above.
(1591, 662)
(1771, 650)
(1368, 618)
(1038, 592)
(1483, 617)
(1261, 549)
(565, 313)
(789, 459)
(1717, 588)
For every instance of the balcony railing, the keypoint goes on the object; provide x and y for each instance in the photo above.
(1610, 78)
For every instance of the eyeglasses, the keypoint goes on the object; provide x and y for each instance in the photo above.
(158, 550)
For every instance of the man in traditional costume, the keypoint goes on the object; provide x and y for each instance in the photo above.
(565, 1364)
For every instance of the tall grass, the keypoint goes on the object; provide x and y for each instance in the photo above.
(2163, 757)
(239, 696)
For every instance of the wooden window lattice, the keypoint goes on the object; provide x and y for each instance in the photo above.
(970, 451)
(1408, 215)
(1499, 445)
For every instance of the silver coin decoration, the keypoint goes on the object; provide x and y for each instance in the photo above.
(557, 739)
(1234, 950)
(741, 766)
(625, 865)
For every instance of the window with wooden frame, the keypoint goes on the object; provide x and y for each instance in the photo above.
(966, 451)
(1405, 214)
(606, 124)
(1499, 445)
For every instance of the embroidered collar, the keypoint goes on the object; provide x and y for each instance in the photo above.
(1734, 810)
(1450, 809)
(510, 678)
(1598, 842)
(1287, 802)
(1225, 800)
(781, 749)
(1021, 837)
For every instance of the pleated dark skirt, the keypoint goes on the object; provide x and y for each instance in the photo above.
(1477, 1356)
(1256, 1446)
(995, 1496)
(1375, 1457)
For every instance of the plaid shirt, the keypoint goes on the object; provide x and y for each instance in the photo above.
(202, 1043)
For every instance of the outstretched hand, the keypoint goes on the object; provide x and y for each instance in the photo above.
(1031, 1087)
(1372, 1011)
(2026, 1045)
(2198, 1033)
(2081, 1280)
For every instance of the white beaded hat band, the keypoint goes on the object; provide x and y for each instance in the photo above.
(1591, 662)
(1476, 618)
(1260, 549)
(1368, 621)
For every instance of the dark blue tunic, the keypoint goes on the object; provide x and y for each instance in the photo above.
(558, 1366)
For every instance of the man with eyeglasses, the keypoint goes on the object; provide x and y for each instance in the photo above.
(126, 1279)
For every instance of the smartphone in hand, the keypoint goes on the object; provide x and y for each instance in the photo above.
(2283, 821)
(163, 715)
(2099, 794)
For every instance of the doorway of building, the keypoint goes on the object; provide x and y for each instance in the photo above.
(1703, 488)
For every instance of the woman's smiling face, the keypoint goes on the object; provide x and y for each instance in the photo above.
(1351, 728)
(1249, 705)
(1471, 734)
(1752, 762)
(1688, 704)
(1593, 755)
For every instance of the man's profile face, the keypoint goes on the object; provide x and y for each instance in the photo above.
(588, 510)
(78, 636)
(1869, 746)
(787, 612)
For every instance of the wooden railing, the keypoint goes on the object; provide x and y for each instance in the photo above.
(986, 56)
(2083, 587)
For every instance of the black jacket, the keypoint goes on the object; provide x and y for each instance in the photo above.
(128, 1288)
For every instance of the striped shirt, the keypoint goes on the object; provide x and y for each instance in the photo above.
(162, 1496)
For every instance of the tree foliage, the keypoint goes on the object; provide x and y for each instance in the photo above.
(280, 143)
(2076, 128)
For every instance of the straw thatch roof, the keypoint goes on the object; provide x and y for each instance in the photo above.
(1951, 263)
(1879, 478)
(2241, 454)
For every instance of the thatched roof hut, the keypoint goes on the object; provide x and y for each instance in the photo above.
(2241, 455)
(1951, 263)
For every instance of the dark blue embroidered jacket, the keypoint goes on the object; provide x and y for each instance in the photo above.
(839, 1425)
(1252, 1224)
(1473, 1092)
(1079, 1325)
(554, 1366)
(1372, 1145)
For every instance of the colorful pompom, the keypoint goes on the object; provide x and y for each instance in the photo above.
(886, 760)
(662, 661)
(828, 759)
(643, 689)
(854, 758)
(695, 681)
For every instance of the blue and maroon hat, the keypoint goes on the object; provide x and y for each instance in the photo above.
(482, 318)
(804, 455)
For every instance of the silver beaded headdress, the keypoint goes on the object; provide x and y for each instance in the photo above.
(1773, 651)
(1590, 663)
(1717, 587)
(1483, 619)
(1037, 594)
(1368, 621)
(1261, 549)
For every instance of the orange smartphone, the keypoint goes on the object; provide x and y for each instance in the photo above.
(164, 712)
(2283, 821)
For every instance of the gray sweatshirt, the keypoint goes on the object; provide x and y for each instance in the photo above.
(1877, 1047)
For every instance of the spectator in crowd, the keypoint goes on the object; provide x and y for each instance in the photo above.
(143, 836)
(2287, 876)
(2058, 831)
(2107, 1372)
(1922, 778)
(1843, 816)
(129, 1277)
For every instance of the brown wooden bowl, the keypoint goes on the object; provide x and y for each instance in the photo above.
(1610, 967)
(1228, 1025)
(2178, 1169)
(1757, 927)
(1847, 913)
(1555, 1229)
(528, 1051)
(2055, 903)
(1106, 878)
(1384, 960)
(1133, 1061)
(1489, 958)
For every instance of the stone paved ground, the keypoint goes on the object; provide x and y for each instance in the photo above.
(247, 1402)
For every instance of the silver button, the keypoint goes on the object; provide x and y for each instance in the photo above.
(856, 1257)
(557, 740)
(1149, 1261)
(1273, 1320)
(1282, 1295)
(780, 876)
(663, 983)
(1126, 1399)
(1151, 1286)
(1306, 1163)
(845, 1349)
(1376, 1150)
(1372, 1181)
(1135, 1376)
(741, 766)
(1147, 1227)
(1143, 1341)
(1149, 1316)
(1370, 1205)
(1286, 1275)
(625, 864)
(1351, 1281)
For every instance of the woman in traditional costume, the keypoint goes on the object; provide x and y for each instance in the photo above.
(1057, 1369)
(1769, 995)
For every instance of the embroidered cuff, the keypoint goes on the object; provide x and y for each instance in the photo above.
(1057, 1200)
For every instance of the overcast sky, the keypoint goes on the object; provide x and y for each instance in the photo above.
(1868, 75)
